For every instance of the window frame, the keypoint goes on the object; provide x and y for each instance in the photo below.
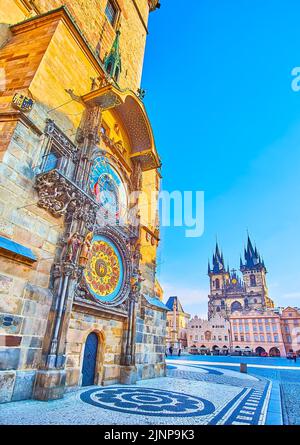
(117, 10)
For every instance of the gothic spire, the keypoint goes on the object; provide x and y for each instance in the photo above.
(252, 258)
(112, 61)
(218, 261)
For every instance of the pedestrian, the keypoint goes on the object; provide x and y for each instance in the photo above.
(166, 353)
(179, 352)
(295, 357)
(171, 350)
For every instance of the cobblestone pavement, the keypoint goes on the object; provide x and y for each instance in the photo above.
(187, 396)
(284, 375)
(290, 394)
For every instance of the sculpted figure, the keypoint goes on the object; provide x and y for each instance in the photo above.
(73, 245)
(86, 250)
(136, 281)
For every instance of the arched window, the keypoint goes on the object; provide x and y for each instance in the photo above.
(218, 309)
(109, 68)
(222, 304)
(252, 280)
(236, 306)
(117, 74)
(217, 283)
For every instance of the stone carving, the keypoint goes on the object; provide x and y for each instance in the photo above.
(136, 282)
(86, 250)
(65, 143)
(137, 177)
(73, 245)
(59, 196)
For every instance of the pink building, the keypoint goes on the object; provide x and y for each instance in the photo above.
(257, 331)
(290, 327)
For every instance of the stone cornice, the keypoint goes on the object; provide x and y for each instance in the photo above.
(13, 116)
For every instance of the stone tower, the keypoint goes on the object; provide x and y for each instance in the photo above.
(218, 274)
(254, 275)
(229, 293)
(78, 286)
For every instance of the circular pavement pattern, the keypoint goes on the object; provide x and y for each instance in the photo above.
(148, 401)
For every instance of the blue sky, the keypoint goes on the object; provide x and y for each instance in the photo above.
(227, 122)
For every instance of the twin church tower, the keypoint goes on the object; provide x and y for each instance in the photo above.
(229, 293)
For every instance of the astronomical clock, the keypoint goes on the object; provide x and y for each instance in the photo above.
(108, 268)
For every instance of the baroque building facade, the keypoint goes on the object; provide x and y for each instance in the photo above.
(209, 335)
(79, 300)
(230, 293)
(177, 324)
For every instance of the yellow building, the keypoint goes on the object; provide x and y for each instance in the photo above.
(79, 301)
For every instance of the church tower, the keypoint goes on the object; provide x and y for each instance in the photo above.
(219, 278)
(254, 274)
(218, 274)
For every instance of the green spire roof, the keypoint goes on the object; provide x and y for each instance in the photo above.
(112, 61)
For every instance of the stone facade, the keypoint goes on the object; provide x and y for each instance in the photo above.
(290, 328)
(230, 293)
(62, 117)
(177, 324)
(209, 335)
(257, 331)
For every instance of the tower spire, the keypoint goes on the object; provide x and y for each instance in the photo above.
(112, 61)
(252, 257)
(218, 260)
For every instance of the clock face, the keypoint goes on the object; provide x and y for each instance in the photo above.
(108, 187)
(234, 281)
(104, 273)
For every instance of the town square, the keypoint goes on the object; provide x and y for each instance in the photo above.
(149, 240)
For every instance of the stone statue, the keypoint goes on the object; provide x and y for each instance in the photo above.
(136, 281)
(73, 245)
(86, 250)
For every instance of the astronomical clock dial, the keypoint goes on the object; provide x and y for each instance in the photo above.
(108, 187)
(104, 273)
(234, 281)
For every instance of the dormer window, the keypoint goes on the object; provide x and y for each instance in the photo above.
(111, 12)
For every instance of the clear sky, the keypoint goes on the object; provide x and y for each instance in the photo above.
(226, 121)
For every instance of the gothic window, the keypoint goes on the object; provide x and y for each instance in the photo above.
(60, 151)
(252, 280)
(222, 304)
(218, 309)
(111, 12)
(246, 302)
(117, 74)
(217, 283)
(109, 68)
(51, 161)
(236, 306)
